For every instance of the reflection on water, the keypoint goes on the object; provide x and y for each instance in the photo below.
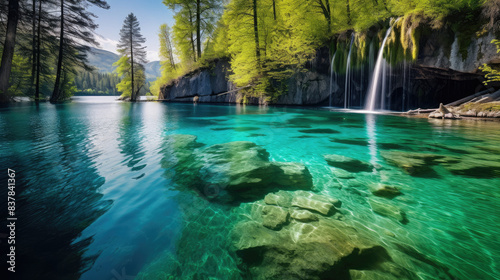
(372, 141)
(57, 190)
(109, 189)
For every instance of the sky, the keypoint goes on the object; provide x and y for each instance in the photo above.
(150, 13)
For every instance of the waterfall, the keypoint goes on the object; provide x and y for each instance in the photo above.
(374, 83)
(384, 85)
(331, 77)
(347, 71)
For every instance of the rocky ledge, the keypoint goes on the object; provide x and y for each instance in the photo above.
(484, 104)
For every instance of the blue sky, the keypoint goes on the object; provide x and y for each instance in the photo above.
(150, 13)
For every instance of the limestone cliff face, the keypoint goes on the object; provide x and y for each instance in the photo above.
(436, 55)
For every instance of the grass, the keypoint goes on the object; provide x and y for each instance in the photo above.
(481, 107)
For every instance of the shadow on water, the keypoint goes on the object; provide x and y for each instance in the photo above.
(131, 140)
(57, 191)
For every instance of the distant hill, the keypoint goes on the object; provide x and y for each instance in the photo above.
(152, 70)
(103, 61)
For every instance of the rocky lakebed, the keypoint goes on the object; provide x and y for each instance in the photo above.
(251, 217)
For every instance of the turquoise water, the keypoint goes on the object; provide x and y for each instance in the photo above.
(101, 193)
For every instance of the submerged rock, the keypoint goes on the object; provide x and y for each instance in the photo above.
(280, 198)
(348, 164)
(274, 217)
(309, 247)
(312, 204)
(342, 174)
(415, 164)
(388, 210)
(303, 216)
(386, 191)
(320, 131)
(243, 171)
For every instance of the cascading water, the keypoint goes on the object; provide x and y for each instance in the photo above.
(331, 77)
(347, 74)
(375, 82)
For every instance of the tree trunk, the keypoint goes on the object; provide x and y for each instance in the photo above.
(132, 95)
(327, 13)
(8, 50)
(55, 93)
(348, 13)
(385, 5)
(191, 33)
(38, 42)
(198, 27)
(256, 32)
(170, 51)
(329, 18)
(274, 9)
(33, 44)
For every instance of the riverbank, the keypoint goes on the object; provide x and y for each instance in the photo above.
(482, 105)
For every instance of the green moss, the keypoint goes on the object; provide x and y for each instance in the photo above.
(465, 25)
(491, 106)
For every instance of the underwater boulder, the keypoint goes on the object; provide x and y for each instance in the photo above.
(274, 217)
(303, 216)
(281, 198)
(242, 171)
(348, 164)
(308, 247)
(385, 191)
(388, 210)
(415, 164)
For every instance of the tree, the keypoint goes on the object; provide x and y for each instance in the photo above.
(76, 26)
(491, 74)
(133, 55)
(327, 12)
(8, 49)
(166, 50)
(168, 67)
(194, 17)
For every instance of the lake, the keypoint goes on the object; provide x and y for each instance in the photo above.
(112, 190)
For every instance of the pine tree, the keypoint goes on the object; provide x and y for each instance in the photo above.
(133, 55)
(76, 26)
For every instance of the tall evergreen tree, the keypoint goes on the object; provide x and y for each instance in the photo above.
(130, 46)
(8, 49)
(76, 26)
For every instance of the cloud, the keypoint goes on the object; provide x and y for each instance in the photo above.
(106, 44)
(152, 56)
(110, 45)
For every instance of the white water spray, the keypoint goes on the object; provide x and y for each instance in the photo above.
(347, 71)
(331, 77)
(374, 83)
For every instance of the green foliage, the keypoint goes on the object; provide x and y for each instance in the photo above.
(168, 66)
(130, 66)
(93, 82)
(123, 69)
(492, 74)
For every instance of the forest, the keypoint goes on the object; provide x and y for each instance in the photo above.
(266, 41)
(269, 40)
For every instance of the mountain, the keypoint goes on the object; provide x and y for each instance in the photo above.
(152, 70)
(103, 61)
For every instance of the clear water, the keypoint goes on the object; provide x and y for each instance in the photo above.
(94, 201)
